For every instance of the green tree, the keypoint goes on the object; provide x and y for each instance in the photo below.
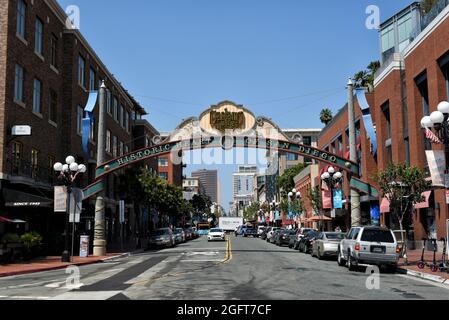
(201, 204)
(365, 78)
(316, 200)
(427, 5)
(251, 212)
(403, 187)
(326, 116)
(285, 182)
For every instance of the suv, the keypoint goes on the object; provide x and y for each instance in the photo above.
(250, 232)
(369, 246)
(240, 231)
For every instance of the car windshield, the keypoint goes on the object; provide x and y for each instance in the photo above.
(377, 235)
(178, 231)
(312, 234)
(216, 230)
(160, 232)
(335, 236)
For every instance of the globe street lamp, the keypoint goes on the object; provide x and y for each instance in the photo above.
(68, 172)
(293, 195)
(273, 207)
(438, 121)
(332, 179)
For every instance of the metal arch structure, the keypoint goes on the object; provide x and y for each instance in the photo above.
(204, 132)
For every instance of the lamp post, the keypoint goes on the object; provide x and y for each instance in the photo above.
(273, 207)
(294, 195)
(332, 178)
(67, 174)
(438, 121)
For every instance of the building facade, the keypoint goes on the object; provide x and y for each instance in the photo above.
(209, 181)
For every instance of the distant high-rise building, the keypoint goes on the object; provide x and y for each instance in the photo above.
(244, 187)
(209, 182)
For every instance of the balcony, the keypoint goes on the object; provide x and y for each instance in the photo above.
(23, 172)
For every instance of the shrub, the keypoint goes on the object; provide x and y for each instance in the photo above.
(31, 240)
(10, 238)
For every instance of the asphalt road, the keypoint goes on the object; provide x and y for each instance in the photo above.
(239, 269)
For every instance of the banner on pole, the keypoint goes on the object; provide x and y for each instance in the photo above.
(327, 199)
(121, 206)
(437, 166)
(60, 199)
(76, 205)
(338, 199)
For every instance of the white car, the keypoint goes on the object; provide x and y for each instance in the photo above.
(216, 235)
(271, 233)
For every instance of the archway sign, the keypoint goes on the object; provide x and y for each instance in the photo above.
(226, 125)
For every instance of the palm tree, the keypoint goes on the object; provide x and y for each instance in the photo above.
(326, 116)
(365, 78)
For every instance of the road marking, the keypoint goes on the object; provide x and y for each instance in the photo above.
(91, 295)
(202, 253)
(215, 260)
(23, 298)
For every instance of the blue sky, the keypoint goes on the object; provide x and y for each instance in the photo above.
(285, 59)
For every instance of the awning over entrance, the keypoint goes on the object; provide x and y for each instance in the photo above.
(319, 218)
(425, 203)
(385, 206)
(3, 219)
(17, 199)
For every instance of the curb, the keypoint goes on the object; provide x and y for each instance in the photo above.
(59, 267)
(423, 275)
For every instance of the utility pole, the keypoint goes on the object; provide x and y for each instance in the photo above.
(99, 231)
(354, 194)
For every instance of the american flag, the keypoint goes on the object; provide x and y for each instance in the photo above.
(432, 137)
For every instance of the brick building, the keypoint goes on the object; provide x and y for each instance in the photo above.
(46, 74)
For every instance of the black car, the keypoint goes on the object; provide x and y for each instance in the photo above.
(283, 237)
(275, 234)
(250, 232)
(305, 244)
(263, 236)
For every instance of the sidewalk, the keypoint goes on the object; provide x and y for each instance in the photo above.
(51, 263)
(414, 256)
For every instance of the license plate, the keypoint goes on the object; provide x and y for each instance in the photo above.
(378, 249)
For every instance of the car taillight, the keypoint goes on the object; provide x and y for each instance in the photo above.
(357, 247)
(398, 249)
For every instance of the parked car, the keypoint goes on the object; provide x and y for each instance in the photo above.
(369, 246)
(271, 233)
(188, 234)
(260, 230)
(301, 233)
(283, 237)
(195, 234)
(250, 232)
(179, 235)
(263, 236)
(326, 244)
(306, 242)
(216, 234)
(275, 234)
(162, 238)
(240, 231)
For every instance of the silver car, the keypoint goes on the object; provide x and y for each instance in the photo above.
(364, 246)
(326, 244)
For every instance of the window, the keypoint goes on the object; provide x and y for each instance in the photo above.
(37, 96)
(108, 101)
(121, 148)
(386, 113)
(21, 18)
(79, 120)
(54, 51)
(445, 70)
(114, 146)
(307, 141)
(50, 163)
(53, 107)
(34, 163)
(17, 154)
(421, 83)
(108, 141)
(81, 71)
(163, 162)
(405, 27)
(126, 149)
(18, 84)
(163, 175)
(92, 76)
(115, 107)
(292, 157)
(38, 34)
(121, 116)
(387, 39)
(340, 144)
(127, 121)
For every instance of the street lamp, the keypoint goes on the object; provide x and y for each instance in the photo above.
(68, 172)
(293, 195)
(438, 120)
(333, 180)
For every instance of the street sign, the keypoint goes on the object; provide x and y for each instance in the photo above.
(60, 199)
(21, 131)
(121, 208)
(76, 205)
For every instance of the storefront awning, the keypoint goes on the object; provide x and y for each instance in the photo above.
(4, 219)
(425, 204)
(385, 206)
(17, 199)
